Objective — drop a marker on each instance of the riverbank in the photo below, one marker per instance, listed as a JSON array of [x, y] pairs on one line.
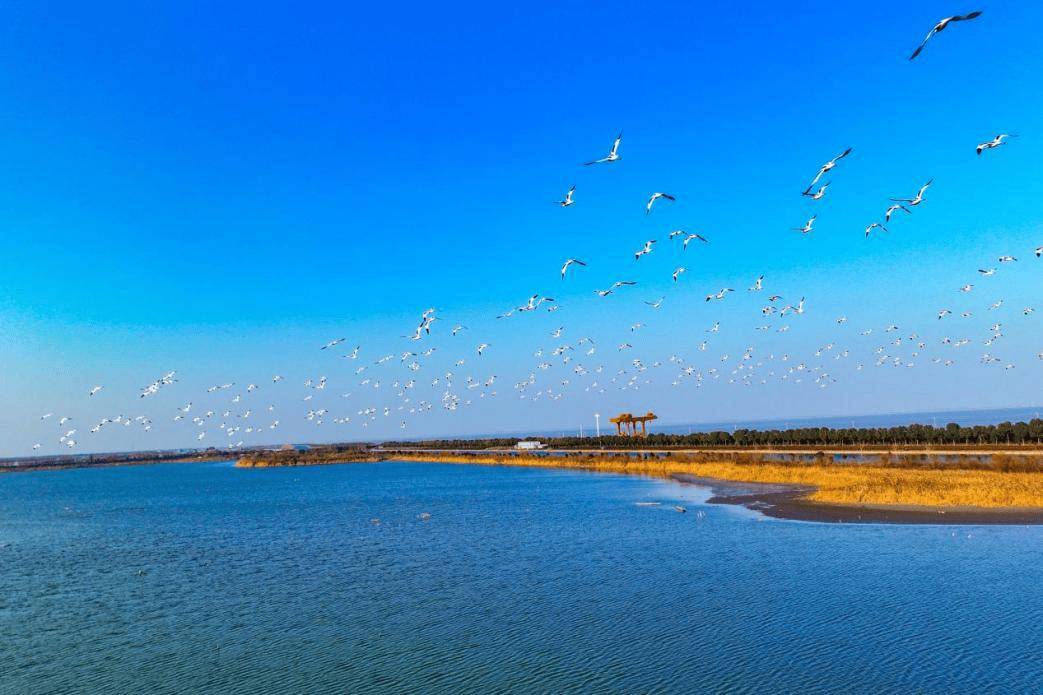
[[822, 491]]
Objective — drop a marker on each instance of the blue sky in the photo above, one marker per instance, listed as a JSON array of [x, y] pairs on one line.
[[221, 191]]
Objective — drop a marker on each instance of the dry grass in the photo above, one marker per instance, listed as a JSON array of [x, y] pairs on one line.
[[858, 484]]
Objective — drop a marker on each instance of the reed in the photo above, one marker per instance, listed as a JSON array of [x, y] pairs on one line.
[[854, 484]]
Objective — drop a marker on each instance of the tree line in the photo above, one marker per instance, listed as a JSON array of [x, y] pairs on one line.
[[952, 434]]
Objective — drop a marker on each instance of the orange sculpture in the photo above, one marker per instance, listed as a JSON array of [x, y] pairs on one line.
[[629, 423]]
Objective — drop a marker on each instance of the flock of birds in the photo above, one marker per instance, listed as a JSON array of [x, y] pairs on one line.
[[409, 382]]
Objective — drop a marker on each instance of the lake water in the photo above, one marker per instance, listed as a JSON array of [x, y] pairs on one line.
[[206, 578]]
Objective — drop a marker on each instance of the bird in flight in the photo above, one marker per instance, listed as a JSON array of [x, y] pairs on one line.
[[995, 142], [645, 250], [828, 166], [94, 390], [891, 210], [940, 26], [568, 263], [913, 202], [875, 225], [817, 195], [757, 286], [568, 198], [806, 229], [678, 271], [720, 295], [332, 343], [656, 196], [688, 238], [612, 156], [656, 304]]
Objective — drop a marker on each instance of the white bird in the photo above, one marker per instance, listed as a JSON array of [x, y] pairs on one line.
[[987, 272], [817, 195], [757, 286], [656, 196], [678, 271], [940, 26], [482, 347], [566, 267], [1039, 251], [656, 304], [943, 313], [966, 288], [1007, 259], [875, 225], [690, 237], [94, 390], [806, 229], [613, 155], [891, 210], [917, 199], [332, 343], [720, 295], [568, 198], [645, 250], [828, 166], [995, 142]]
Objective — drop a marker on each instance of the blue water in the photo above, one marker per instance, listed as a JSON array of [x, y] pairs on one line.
[[206, 578]]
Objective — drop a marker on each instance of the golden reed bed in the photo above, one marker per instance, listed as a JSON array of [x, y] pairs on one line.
[[851, 484]]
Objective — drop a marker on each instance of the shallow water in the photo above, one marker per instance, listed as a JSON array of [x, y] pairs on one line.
[[203, 577]]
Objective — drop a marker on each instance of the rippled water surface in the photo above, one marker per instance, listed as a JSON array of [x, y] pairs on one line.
[[203, 577]]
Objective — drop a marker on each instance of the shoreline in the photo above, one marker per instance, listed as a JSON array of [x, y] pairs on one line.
[[790, 502], [846, 493]]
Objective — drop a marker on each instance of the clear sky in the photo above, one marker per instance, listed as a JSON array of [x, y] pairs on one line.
[[221, 191]]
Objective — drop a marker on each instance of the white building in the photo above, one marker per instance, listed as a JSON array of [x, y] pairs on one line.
[[528, 446]]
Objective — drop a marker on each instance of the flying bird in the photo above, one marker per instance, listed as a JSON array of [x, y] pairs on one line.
[[995, 142], [806, 229], [720, 295], [567, 264], [875, 225], [891, 210], [655, 197], [678, 271], [645, 250], [690, 237], [568, 198], [940, 26], [656, 304], [914, 201], [817, 195], [612, 156], [828, 166]]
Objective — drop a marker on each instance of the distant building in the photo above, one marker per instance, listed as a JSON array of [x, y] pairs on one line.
[[528, 445]]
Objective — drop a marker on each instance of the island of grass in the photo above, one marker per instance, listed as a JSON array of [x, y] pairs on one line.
[[315, 456]]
